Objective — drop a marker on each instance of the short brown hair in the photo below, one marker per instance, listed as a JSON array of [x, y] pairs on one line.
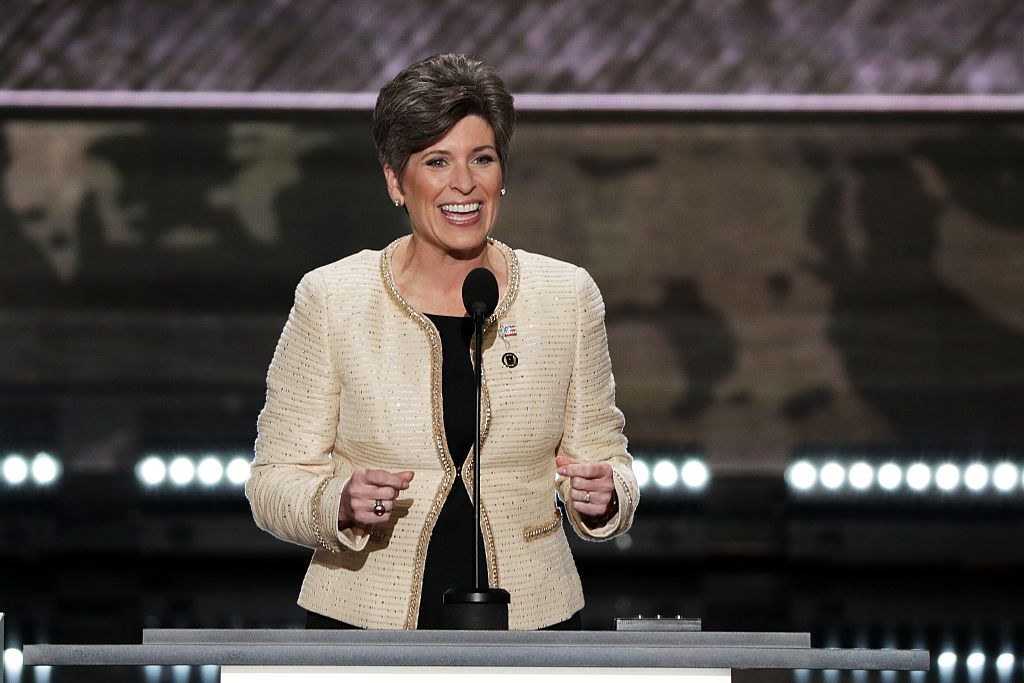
[[423, 102]]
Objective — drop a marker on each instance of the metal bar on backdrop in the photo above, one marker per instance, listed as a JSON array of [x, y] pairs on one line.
[[526, 102]]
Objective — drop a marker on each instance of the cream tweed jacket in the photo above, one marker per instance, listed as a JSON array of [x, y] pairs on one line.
[[355, 382]]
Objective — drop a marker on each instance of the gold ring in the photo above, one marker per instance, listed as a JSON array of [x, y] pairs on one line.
[[586, 497], [378, 508]]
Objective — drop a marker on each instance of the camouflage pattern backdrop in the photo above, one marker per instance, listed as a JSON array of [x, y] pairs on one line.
[[772, 287]]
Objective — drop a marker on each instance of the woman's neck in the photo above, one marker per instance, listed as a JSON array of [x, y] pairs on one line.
[[431, 279]]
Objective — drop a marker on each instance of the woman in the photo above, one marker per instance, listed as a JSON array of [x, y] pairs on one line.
[[369, 412]]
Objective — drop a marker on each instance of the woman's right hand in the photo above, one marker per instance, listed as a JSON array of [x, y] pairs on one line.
[[362, 492]]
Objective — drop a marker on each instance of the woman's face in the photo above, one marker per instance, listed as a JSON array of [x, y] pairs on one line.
[[452, 188]]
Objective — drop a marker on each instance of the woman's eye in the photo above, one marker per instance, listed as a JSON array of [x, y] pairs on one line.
[[437, 163], [484, 159]]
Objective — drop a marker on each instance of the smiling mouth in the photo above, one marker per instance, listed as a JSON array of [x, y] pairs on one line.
[[462, 213]]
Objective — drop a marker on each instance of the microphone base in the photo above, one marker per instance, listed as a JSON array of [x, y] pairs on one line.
[[472, 609]]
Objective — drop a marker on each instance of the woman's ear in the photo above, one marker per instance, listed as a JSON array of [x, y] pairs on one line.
[[394, 187]]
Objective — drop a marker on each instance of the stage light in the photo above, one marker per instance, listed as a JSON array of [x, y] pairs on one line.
[[642, 473], [210, 471], [976, 476], [151, 471], [238, 471], [1005, 476], [947, 477], [947, 660], [694, 474], [861, 476], [13, 661], [1005, 661], [665, 474], [15, 470], [919, 476], [45, 469], [832, 476], [890, 476], [976, 661], [802, 475], [182, 471]]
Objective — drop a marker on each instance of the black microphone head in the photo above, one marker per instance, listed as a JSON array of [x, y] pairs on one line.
[[480, 292]]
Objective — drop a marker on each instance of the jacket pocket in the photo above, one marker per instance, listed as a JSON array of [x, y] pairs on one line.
[[533, 532]]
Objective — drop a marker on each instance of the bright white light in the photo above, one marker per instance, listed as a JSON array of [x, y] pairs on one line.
[[947, 477], [238, 471], [1005, 476], [210, 471], [861, 476], [1005, 661], [13, 661], [976, 661], [182, 471], [919, 476], [665, 474], [45, 469], [15, 469], [890, 476], [976, 476], [802, 475], [642, 473], [832, 476], [947, 660], [694, 474], [151, 471]]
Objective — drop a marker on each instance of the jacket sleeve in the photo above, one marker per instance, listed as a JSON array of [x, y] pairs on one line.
[[295, 481], [593, 425]]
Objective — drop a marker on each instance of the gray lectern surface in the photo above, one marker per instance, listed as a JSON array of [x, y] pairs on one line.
[[556, 649]]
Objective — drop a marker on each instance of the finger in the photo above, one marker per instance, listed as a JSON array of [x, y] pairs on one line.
[[584, 484], [598, 498], [563, 460], [366, 513], [385, 478], [590, 509], [365, 492], [587, 470]]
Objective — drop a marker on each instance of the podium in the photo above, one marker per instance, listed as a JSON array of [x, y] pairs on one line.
[[298, 656]]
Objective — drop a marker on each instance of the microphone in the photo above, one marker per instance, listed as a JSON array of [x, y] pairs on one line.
[[480, 293], [479, 607]]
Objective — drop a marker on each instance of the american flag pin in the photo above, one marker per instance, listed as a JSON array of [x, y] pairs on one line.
[[508, 330]]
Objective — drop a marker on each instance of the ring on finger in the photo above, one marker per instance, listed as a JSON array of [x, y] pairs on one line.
[[586, 497], [378, 508]]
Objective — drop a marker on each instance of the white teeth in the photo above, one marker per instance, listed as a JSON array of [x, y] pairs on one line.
[[461, 208]]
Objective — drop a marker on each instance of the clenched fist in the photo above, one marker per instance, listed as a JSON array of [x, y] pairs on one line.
[[365, 490], [590, 484]]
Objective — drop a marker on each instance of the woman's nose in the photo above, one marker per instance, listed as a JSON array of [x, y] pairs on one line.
[[462, 179]]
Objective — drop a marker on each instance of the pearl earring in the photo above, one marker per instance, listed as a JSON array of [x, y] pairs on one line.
[[397, 203], [503, 192]]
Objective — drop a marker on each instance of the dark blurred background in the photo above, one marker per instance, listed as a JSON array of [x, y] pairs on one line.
[[815, 307]]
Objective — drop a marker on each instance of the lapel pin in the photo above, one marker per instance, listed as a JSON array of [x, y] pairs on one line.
[[509, 360]]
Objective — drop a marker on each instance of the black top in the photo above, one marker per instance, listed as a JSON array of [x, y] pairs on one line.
[[450, 553]]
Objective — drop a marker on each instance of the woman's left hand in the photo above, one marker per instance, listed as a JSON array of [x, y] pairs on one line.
[[590, 484]]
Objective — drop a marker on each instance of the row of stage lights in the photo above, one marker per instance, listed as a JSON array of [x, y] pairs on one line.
[[42, 470], [804, 477], [976, 663], [947, 663], [834, 477], [181, 471], [666, 474]]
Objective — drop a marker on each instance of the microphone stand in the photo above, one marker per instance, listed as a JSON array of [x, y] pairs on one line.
[[481, 608]]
